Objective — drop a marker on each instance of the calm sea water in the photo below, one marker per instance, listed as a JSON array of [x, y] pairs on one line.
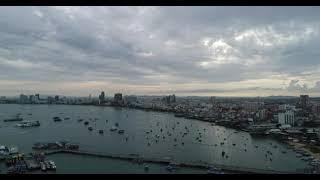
[[240, 148]]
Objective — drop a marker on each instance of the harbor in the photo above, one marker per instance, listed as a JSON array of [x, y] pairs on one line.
[[159, 135]]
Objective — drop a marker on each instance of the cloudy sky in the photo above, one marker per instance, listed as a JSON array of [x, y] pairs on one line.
[[221, 51]]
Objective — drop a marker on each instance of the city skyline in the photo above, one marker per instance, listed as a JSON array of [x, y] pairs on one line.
[[187, 51]]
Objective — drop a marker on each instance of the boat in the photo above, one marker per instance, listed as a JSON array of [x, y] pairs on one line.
[[52, 165], [47, 164], [146, 167], [100, 131], [121, 131], [116, 124], [67, 118], [28, 124], [113, 128], [57, 119], [13, 119], [43, 166], [86, 123], [13, 150], [169, 168], [179, 115], [90, 128]]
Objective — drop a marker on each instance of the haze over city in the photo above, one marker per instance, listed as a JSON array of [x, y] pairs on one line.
[[203, 51]]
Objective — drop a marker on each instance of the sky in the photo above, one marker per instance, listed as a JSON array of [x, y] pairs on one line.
[[202, 51]]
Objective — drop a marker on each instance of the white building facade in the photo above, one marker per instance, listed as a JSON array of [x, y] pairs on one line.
[[286, 117]]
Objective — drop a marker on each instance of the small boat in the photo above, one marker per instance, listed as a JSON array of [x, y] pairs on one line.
[[146, 167], [100, 131], [80, 120], [43, 166], [67, 118], [121, 131], [52, 165], [90, 128], [284, 152], [116, 124], [86, 123], [223, 153], [169, 168], [57, 119], [113, 128]]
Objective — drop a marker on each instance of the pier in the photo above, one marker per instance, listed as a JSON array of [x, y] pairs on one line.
[[197, 164]]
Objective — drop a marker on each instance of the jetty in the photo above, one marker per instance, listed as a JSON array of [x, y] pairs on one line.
[[166, 161]]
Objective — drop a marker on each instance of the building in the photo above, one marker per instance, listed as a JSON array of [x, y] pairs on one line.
[[169, 99], [316, 109], [130, 99], [304, 101], [23, 99], [252, 106], [32, 99], [3, 100], [102, 98], [56, 98], [51, 100], [117, 97], [286, 117], [284, 107], [261, 114]]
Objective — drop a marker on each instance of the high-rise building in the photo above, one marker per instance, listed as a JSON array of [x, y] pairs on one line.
[[102, 98], [286, 117], [24, 99], [56, 98], [117, 97], [304, 101]]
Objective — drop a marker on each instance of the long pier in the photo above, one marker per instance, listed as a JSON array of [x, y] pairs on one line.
[[198, 164]]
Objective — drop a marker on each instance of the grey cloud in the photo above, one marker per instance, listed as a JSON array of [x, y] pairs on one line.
[[106, 43]]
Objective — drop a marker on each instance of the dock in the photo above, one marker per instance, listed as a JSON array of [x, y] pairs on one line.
[[166, 161]]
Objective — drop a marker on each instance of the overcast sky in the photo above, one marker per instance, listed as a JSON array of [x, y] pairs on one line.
[[220, 51]]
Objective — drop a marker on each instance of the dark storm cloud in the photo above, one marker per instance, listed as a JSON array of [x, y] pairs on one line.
[[154, 45]]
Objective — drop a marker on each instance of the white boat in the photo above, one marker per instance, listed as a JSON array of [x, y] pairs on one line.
[[43, 166], [113, 128], [13, 150]]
